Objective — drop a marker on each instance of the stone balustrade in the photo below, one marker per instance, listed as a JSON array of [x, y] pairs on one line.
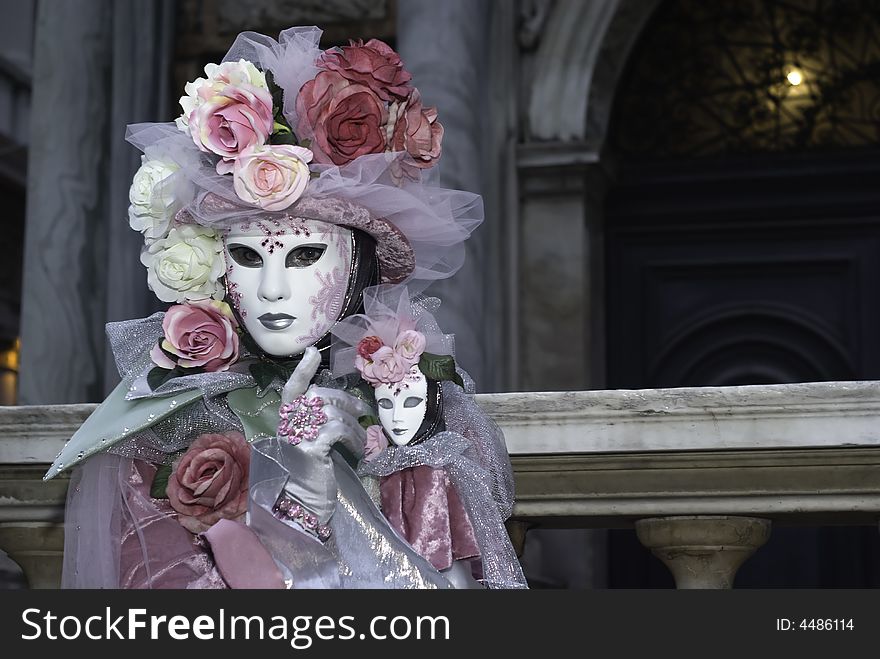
[[702, 474]]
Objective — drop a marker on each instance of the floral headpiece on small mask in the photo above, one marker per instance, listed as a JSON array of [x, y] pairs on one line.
[[258, 131], [394, 335]]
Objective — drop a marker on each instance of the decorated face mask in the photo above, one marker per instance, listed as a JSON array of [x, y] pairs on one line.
[[403, 406], [287, 281]]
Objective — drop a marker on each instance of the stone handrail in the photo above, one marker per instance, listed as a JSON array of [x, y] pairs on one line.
[[701, 473]]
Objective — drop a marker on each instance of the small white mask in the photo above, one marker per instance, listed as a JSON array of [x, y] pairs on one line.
[[402, 406], [287, 281]]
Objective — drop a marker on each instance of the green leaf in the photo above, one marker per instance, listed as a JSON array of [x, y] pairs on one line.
[[159, 376], [159, 489], [439, 368], [281, 128], [276, 92], [282, 138], [265, 371], [249, 343], [369, 420], [263, 374]]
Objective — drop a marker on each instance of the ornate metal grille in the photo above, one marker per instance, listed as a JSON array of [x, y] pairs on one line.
[[745, 76]]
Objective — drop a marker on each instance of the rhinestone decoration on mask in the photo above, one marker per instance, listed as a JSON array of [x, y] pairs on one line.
[[408, 379]]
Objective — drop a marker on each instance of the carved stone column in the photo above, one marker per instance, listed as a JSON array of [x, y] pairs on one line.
[[445, 45], [62, 294], [703, 551], [98, 65]]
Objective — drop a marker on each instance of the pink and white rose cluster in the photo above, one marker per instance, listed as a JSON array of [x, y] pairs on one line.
[[360, 102], [230, 114], [382, 364], [228, 111]]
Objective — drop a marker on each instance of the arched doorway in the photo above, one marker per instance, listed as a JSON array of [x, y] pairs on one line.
[[743, 227]]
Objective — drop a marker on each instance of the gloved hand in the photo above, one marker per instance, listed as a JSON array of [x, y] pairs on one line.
[[312, 481]]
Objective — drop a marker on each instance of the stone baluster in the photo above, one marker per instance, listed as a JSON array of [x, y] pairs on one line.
[[703, 551], [37, 548]]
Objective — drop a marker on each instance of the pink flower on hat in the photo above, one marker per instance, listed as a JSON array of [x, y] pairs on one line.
[[373, 64], [368, 345], [418, 132], [383, 367], [229, 112], [382, 364], [271, 176], [347, 119], [409, 346]]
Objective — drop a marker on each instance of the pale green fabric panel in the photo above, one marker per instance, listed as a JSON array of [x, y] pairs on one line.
[[114, 420], [259, 416]]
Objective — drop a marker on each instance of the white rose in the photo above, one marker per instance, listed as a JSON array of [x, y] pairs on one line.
[[241, 72], [187, 265], [152, 202], [237, 73], [189, 103]]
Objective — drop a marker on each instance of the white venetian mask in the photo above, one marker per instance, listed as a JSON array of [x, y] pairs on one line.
[[403, 405], [288, 281]]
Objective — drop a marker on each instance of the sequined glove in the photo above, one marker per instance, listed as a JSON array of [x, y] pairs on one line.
[[312, 420]]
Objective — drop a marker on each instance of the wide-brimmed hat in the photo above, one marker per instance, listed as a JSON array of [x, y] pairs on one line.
[[240, 150]]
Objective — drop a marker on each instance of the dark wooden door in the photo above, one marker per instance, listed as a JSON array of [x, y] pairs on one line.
[[745, 272]]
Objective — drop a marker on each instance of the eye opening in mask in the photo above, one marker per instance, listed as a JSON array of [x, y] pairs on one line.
[[412, 401], [385, 403], [304, 256], [245, 256], [364, 273]]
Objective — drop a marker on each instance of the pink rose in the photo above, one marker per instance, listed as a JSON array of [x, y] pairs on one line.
[[376, 443], [418, 132], [347, 119], [271, 176], [210, 481], [230, 118], [373, 64], [384, 367], [368, 345], [409, 346], [198, 335]]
